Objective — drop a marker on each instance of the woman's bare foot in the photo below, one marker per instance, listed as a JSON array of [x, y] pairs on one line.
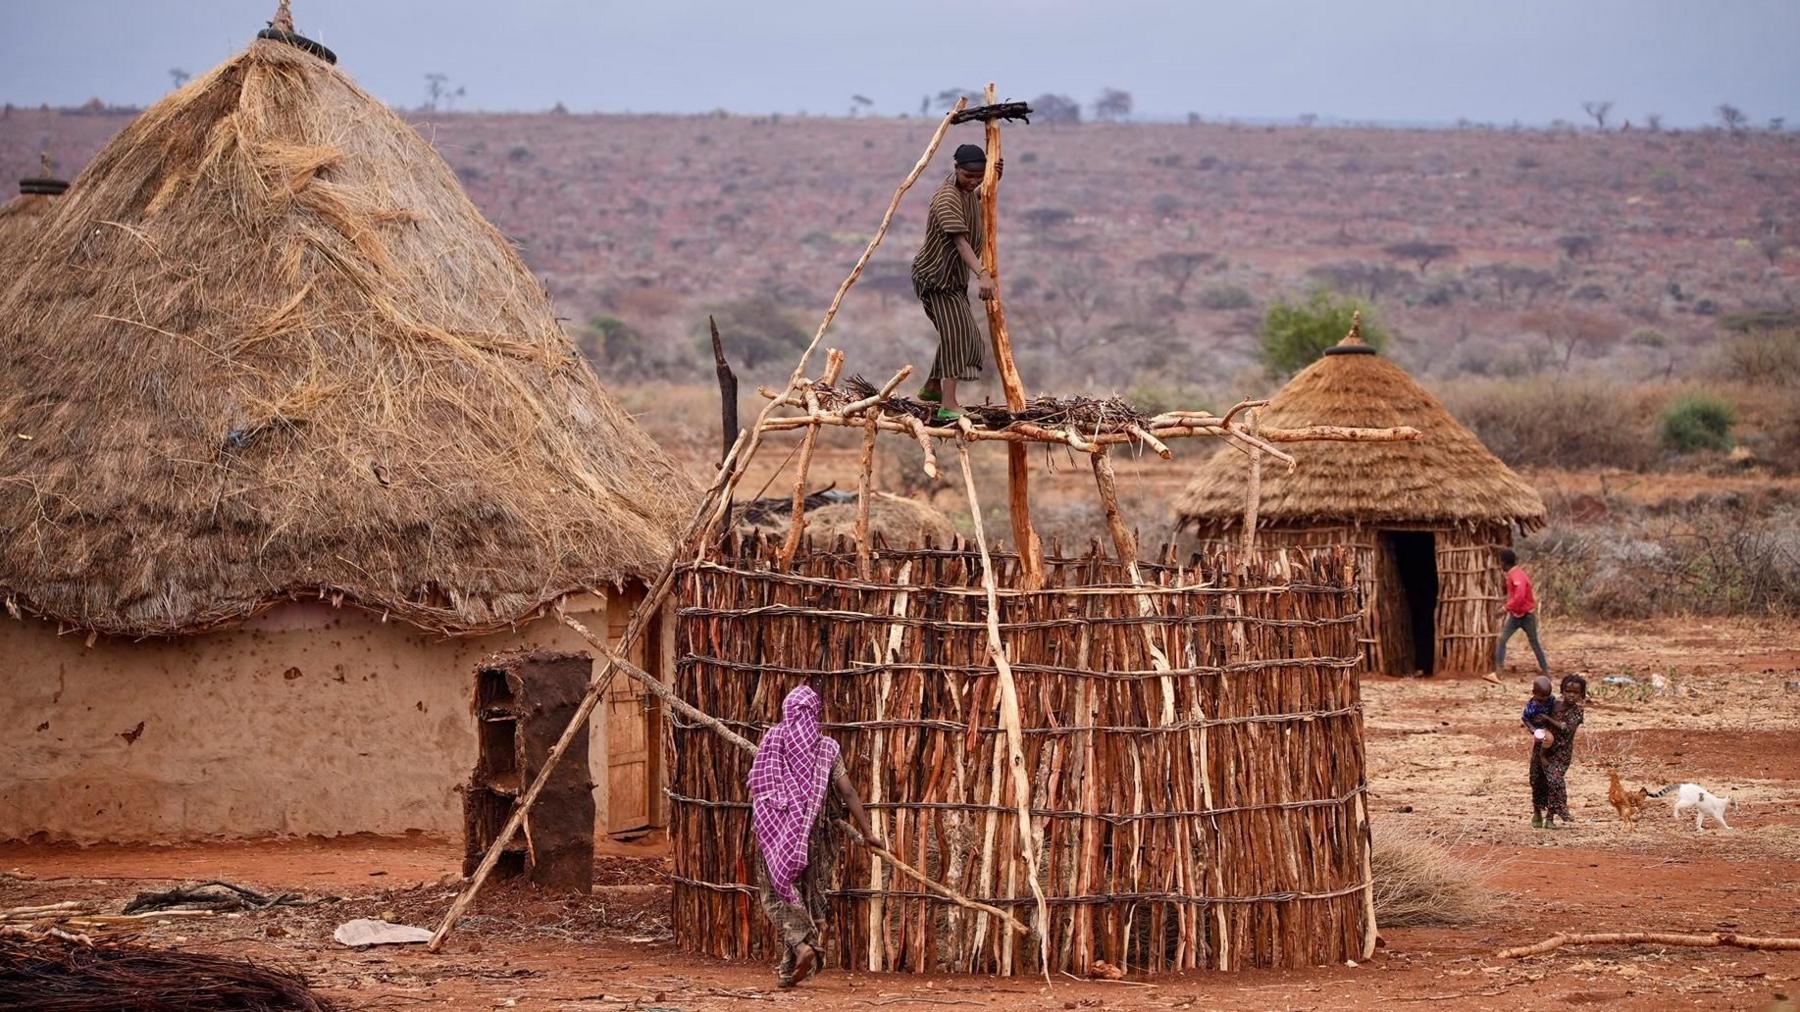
[[806, 958]]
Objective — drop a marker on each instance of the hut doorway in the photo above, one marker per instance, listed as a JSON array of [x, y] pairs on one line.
[[1412, 556]]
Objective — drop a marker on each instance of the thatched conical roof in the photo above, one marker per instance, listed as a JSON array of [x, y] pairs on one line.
[[1445, 476], [273, 351], [20, 216]]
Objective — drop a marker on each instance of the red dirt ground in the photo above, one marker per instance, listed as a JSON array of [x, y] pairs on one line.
[[1444, 759]]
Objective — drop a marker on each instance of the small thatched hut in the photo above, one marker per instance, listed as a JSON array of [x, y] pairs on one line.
[[1427, 518], [20, 216], [895, 520], [293, 439]]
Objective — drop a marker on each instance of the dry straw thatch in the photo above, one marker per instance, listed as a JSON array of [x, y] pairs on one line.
[[273, 351], [1445, 476]]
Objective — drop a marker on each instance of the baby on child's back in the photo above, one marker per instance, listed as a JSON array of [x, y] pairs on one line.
[[1538, 708]]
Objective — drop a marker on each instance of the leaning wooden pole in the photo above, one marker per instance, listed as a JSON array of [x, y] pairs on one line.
[[602, 680], [1019, 776], [1018, 464], [707, 516], [706, 720]]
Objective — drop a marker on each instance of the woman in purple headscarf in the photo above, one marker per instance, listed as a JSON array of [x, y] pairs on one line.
[[794, 764]]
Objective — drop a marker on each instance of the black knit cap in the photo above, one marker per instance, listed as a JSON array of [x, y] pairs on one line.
[[970, 154]]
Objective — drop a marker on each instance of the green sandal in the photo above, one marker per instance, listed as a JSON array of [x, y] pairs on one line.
[[945, 416], [1537, 822], [931, 396]]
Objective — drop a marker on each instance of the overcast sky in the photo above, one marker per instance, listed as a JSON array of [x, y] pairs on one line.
[[1405, 61]]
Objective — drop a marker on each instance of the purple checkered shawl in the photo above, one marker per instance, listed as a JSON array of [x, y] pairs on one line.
[[787, 788]]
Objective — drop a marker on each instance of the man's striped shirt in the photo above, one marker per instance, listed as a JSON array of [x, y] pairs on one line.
[[937, 267]]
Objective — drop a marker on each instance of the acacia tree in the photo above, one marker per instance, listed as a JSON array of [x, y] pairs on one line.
[[1054, 109], [1113, 105], [1177, 269], [1569, 331], [438, 90], [1598, 109], [948, 97], [1732, 118], [1420, 252]]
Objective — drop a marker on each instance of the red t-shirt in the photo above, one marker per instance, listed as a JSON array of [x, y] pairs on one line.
[[1520, 601]]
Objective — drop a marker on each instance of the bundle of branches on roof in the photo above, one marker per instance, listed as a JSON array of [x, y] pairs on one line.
[[53, 975], [1084, 414], [755, 511]]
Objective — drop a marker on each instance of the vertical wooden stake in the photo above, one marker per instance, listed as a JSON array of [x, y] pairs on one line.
[[1009, 717], [1018, 465], [887, 653], [834, 364], [1126, 545], [865, 556], [1253, 495]]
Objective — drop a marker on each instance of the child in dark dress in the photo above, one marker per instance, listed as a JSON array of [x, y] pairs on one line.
[[1554, 750]]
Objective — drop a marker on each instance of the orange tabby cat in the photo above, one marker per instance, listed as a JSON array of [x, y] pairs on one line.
[[1627, 803]]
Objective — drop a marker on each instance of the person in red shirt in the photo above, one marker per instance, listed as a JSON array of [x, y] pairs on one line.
[[1521, 613]]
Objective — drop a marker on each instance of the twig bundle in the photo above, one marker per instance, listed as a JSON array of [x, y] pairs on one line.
[[58, 976], [1143, 864]]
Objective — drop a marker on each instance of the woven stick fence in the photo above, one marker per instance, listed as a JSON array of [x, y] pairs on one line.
[[1232, 836]]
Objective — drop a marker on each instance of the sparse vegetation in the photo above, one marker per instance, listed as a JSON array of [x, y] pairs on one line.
[[1697, 422]]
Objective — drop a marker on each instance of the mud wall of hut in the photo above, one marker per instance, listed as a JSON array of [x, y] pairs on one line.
[[306, 720], [1206, 815], [1470, 589]]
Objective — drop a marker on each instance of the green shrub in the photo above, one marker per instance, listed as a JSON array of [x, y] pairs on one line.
[[1697, 422], [1296, 333]]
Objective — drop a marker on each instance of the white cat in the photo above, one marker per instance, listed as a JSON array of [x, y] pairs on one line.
[[1702, 801]]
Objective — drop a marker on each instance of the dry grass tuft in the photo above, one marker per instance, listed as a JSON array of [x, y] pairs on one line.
[[1419, 880]]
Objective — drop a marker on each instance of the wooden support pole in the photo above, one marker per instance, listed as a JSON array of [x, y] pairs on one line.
[[711, 723], [710, 513], [834, 364], [1018, 464], [1253, 494], [865, 474], [1106, 482], [1019, 776]]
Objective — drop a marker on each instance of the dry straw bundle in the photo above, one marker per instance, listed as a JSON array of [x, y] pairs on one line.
[[273, 351]]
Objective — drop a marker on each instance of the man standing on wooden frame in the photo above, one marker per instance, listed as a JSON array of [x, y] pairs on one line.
[[940, 273]]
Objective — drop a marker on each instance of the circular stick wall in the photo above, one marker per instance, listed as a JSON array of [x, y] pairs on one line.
[[1206, 812]]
